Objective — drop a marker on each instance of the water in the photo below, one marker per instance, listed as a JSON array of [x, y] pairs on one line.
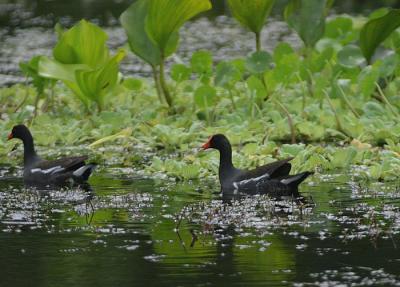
[[26, 30], [131, 231]]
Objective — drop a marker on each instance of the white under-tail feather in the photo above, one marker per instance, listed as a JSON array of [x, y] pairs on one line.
[[84, 171]]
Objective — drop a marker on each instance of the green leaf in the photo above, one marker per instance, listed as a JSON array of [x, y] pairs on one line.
[[165, 17], [31, 69], [83, 63], [373, 109], [286, 69], [201, 62], [82, 44], [256, 87], [133, 21], [281, 50], [307, 18], [227, 74], [367, 79], [292, 149], [59, 29], [133, 84], [95, 84], [180, 72], [251, 14], [250, 149], [188, 172], [375, 31], [350, 56], [338, 27], [122, 134], [342, 158], [205, 97], [53, 69], [258, 62], [389, 65], [378, 13], [86, 83]]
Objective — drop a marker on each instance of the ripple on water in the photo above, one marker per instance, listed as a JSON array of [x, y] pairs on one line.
[[172, 228]]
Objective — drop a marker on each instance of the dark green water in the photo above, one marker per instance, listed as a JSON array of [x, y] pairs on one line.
[[123, 233]]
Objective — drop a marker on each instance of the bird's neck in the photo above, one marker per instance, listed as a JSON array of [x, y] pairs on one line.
[[225, 162], [29, 150]]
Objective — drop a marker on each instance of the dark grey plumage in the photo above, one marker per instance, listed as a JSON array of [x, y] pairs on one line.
[[272, 179], [58, 172]]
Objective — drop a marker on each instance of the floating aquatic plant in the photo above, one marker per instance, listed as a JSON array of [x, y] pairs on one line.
[[83, 63]]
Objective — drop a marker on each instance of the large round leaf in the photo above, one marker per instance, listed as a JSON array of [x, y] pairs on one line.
[[258, 62], [202, 62], [205, 97], [338, 26], [256, 87], [350, 56], [227, 74], [180, 72]]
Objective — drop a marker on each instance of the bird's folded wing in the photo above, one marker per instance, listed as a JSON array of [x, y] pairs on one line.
[[59, 165], [272, 170]]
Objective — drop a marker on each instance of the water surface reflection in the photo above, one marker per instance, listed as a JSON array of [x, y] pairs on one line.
[[142, 231]]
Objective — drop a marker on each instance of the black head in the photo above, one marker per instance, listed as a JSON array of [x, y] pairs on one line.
[[218, 141], [20, 132]]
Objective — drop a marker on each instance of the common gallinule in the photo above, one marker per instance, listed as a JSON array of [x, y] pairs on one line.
[[272, 179], [40, 171]]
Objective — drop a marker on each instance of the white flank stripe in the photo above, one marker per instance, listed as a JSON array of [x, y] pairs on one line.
[[245, 181], [52, 170], [236, 190]]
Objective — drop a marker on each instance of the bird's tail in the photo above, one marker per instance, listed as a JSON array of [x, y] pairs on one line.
[[84, 172], [295, 180]]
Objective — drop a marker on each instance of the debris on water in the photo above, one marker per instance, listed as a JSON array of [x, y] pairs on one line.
[[129, 247], [126, 214], [154, 257]]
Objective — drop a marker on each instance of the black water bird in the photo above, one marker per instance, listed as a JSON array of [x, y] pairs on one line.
[[68, 170], [272, 179]]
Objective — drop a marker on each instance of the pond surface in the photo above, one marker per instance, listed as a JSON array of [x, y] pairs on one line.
[[132, 231], [27, 30]]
